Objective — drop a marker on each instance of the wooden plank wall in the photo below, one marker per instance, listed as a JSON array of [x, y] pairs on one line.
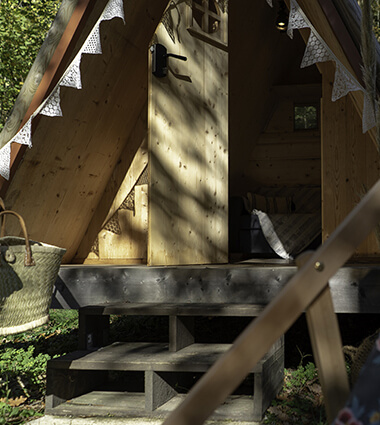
[[188, 144], [124, 177], [283, 156], [350, 161], [61, 180]]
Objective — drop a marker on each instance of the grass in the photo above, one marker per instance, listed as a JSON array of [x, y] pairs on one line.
[[23, 359]]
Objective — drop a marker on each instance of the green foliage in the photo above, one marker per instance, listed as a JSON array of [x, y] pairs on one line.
[[23, 359], [24, 370], [376, 18], [23, 27], [305, 117], [300, 400], [15, 415], [299, 377]]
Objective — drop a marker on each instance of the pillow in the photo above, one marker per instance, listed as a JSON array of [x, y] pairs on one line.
[[268, 204]]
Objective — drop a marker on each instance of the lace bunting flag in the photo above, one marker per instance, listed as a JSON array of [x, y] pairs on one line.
[[93, 45], [315, 52], [270, 2], [24, 136], [296, 20], [52, 106], [369, 117], [344, 83], [72, 77], [5, 160], [114, 9]]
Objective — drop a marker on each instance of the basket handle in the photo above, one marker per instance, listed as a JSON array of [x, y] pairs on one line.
[[2, 208], [28, 260]]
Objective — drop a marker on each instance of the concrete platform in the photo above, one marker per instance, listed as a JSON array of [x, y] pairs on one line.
[[56, 420]]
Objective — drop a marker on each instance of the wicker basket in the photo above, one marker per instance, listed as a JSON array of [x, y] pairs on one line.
[[28, 270]]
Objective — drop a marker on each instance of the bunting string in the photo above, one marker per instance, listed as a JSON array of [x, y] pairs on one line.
[[318, 51], [51, 106]]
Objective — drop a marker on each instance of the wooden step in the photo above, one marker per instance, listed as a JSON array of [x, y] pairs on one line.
[[142, 356], [124, 404], [94, 319], [74, 381], [174, 309]]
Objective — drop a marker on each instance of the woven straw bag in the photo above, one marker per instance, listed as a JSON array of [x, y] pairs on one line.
[[28, 270]]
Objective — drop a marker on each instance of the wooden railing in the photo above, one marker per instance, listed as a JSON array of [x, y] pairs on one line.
[[307, 291]]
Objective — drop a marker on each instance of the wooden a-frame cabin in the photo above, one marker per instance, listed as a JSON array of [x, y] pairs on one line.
[[144, 168], [160, 162]]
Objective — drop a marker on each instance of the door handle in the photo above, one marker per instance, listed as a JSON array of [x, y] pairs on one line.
[[160, 57]]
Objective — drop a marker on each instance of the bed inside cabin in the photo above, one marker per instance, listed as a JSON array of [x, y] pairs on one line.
[[275, 145]]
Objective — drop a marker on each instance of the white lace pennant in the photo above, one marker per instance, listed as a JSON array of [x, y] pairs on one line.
[[296, 19], [5, 160], [344, 83], [316, 51], [72, 77], [369, 115], [52, 107], [24, 136], [270, 2], [93, 45], [114, 9]]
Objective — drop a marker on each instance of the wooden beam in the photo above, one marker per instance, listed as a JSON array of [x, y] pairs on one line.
[[326, 342], [354, 288]]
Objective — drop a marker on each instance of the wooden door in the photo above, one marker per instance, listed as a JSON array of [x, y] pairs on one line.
[[188, 138]]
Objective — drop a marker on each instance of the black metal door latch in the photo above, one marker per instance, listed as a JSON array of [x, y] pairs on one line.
[[160, 60]]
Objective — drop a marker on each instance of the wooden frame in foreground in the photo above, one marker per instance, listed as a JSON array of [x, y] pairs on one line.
[[307, 291]]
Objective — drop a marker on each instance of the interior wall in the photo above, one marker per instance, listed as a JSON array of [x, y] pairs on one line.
[[262, 62]]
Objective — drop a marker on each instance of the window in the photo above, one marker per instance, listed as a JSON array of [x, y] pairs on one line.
[[306, 117], [208, 21], [206, 14]]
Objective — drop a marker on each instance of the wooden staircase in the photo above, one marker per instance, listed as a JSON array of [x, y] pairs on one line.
[[78, 383]]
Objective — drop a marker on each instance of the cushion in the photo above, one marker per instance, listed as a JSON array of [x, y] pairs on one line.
[[268, 204]]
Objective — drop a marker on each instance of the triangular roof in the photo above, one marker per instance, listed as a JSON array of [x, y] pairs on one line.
[[114, 112]]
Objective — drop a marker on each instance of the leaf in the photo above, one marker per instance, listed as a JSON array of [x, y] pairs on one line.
[[279, 413], [14, 402]]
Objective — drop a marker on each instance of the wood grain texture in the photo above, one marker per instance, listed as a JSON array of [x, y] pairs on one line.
[[131, 164], [350, 162], [327, 348], [283, 156], [132, 242], [188, 144], [62, 179]]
